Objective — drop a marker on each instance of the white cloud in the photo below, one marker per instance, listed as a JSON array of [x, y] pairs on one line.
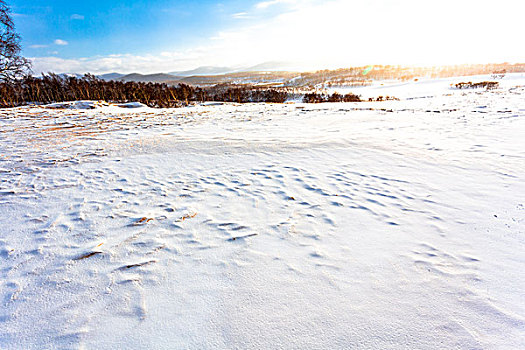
[[61, 42], [164, 62], [241, 15], [77, 16], [38, 46], [266, 4]]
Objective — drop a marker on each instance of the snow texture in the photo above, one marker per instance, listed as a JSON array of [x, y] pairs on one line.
[[377, 225]]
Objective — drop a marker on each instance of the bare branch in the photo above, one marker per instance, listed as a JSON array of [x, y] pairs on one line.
[[12, 65]]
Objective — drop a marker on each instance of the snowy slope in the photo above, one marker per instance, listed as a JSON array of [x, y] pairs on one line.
[[425, 87], [362, 225]]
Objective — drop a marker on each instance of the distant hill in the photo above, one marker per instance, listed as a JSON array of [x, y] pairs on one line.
[[111, 76], [272, 66], [149, 78], [203, 75], [238, 78], [283, 74], [205, 70]]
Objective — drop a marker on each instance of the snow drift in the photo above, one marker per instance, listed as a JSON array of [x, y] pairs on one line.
[[361, 225]]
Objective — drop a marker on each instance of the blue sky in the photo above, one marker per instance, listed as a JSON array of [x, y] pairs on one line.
[[165, 35], [102, 27]]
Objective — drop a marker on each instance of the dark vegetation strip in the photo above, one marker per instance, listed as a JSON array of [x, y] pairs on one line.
[[484, 84], [54, 88]]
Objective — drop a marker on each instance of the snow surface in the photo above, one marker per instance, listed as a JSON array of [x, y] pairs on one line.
[[384, 225], [94, 105], [425, 87]]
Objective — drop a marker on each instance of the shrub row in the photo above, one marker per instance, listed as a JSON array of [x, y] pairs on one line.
[[484, 84]]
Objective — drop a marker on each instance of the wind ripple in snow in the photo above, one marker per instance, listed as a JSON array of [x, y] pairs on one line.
[[248, 226]]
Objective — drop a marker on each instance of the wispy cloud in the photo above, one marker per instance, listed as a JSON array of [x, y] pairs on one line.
[[38, 46], [61, 42], [77, 17], [241, 15], [266, 4]]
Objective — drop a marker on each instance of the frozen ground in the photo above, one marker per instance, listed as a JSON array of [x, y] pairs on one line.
[[387, 225]]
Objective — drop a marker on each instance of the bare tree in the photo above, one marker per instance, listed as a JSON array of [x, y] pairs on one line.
[[12, 65]]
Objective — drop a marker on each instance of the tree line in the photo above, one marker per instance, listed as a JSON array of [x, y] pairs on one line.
[[315, 97], [51, 88]]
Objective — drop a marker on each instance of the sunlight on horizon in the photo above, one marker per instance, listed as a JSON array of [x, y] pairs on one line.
[[310, 35]]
